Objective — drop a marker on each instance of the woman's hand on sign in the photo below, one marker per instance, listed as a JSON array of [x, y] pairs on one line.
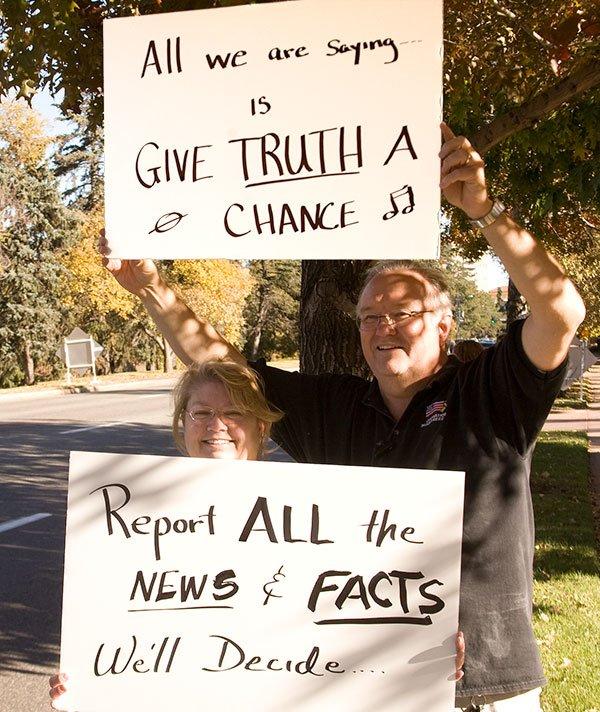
[[139, 277], [462, 175], [57, 688], [460, 656]]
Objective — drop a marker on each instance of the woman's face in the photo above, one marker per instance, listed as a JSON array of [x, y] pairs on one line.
[[218, 429]]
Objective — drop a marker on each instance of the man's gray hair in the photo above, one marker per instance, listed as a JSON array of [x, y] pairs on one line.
[[435, 278]]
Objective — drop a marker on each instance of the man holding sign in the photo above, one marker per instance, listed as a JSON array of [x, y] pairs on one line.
[[424, 410]]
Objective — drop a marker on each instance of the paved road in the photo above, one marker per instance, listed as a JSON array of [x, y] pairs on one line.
[[35, 438]]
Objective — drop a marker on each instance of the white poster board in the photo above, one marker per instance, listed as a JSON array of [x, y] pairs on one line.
[[303, 129], [301, 587]]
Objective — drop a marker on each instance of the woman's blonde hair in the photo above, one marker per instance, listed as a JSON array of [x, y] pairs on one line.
[[242, 384]]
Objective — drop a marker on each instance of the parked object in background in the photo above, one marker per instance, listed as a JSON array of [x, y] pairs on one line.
[[467, 349], [580, 359]]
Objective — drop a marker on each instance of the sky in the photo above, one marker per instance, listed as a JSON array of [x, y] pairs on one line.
[[489, 273]]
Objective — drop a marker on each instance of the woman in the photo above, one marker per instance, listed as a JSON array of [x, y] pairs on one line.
[[220, 412]]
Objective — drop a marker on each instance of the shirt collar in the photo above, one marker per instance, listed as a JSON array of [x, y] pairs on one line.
[[374, 399]]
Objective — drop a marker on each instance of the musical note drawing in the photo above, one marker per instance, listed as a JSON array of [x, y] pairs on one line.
[[167, 222], [269, 593], [405, 190]]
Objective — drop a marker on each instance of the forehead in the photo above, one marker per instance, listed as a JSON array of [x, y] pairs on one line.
[[395, 289], [210, 393]]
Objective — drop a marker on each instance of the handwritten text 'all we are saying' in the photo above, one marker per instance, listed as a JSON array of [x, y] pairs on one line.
[[168, 58]]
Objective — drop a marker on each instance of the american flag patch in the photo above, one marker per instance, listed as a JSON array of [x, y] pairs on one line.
[[437, 407]]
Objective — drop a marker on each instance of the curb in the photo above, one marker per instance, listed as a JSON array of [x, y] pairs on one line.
[[90, 388]]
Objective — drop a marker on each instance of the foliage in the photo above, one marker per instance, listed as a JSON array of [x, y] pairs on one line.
[[566, 590], [216, 289], [501, 57], [476, 313], [79, 160], [88, 288], [583, 266], [500, 54], [35, 227], [271, 313], [22, 135]]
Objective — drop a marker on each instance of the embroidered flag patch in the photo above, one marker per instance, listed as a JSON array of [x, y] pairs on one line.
[[434, 412]]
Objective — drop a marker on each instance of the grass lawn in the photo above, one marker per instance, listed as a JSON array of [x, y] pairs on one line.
[[567, 574], [567, 403]]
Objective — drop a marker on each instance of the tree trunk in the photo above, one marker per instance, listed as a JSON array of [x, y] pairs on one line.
[[167, 355], [515, 306], [256, 335], [28, 364], [329, 339]]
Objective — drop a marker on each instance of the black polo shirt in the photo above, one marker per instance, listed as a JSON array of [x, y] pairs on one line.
[[481, 417]]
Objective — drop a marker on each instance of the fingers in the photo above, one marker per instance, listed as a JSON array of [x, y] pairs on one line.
[[58, 679], [57, 691], [457, 143], [447, 132], [469, 174], [460, 656], [112, 265], [103, 248], [456, 158], [57, 686]]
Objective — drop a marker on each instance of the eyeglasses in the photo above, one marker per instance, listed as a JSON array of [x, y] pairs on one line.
[[370, 322], [229, 416]]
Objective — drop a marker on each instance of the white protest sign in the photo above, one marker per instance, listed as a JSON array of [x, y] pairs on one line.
[[305, 129], [206, 584]]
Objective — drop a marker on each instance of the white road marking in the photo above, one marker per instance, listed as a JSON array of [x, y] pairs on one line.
[[154, 395], [13, 524], [93, 427]]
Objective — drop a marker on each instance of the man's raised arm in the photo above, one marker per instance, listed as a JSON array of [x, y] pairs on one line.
[[192, 338], [555, 305]]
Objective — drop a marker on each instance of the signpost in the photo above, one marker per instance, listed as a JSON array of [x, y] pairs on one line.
[[207, 584], [79, 352]]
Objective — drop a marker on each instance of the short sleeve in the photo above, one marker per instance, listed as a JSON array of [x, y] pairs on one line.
[[518, 395]]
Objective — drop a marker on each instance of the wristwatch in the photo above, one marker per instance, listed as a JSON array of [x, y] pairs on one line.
[[497, 209]]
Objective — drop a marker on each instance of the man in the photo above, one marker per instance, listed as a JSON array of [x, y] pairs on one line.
[[426, 410]]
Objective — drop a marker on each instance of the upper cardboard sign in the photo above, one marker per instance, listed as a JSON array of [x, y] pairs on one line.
[[304, 129], [194, 584]]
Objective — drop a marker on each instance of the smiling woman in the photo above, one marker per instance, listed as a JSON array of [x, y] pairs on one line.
[[220, 412]]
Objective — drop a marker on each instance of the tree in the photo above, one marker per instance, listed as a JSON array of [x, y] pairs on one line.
[[476, 313], [521, 79], [217, 289], [271, 312], [35, 227]]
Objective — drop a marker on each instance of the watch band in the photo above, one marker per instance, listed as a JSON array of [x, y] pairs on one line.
[[497, 209]]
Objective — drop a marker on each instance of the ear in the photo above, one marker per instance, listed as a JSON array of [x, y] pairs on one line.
[[445, 327]]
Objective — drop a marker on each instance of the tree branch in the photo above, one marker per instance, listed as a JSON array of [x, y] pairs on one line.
[[584, 78]]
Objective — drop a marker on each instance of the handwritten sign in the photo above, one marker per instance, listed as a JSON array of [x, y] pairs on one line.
[[203, 584], [303, 129]]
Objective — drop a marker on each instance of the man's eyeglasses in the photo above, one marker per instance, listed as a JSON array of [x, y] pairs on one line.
[[370, 322], [229, 416]]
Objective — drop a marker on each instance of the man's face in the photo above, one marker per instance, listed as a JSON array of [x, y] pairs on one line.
[[413, 349]]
